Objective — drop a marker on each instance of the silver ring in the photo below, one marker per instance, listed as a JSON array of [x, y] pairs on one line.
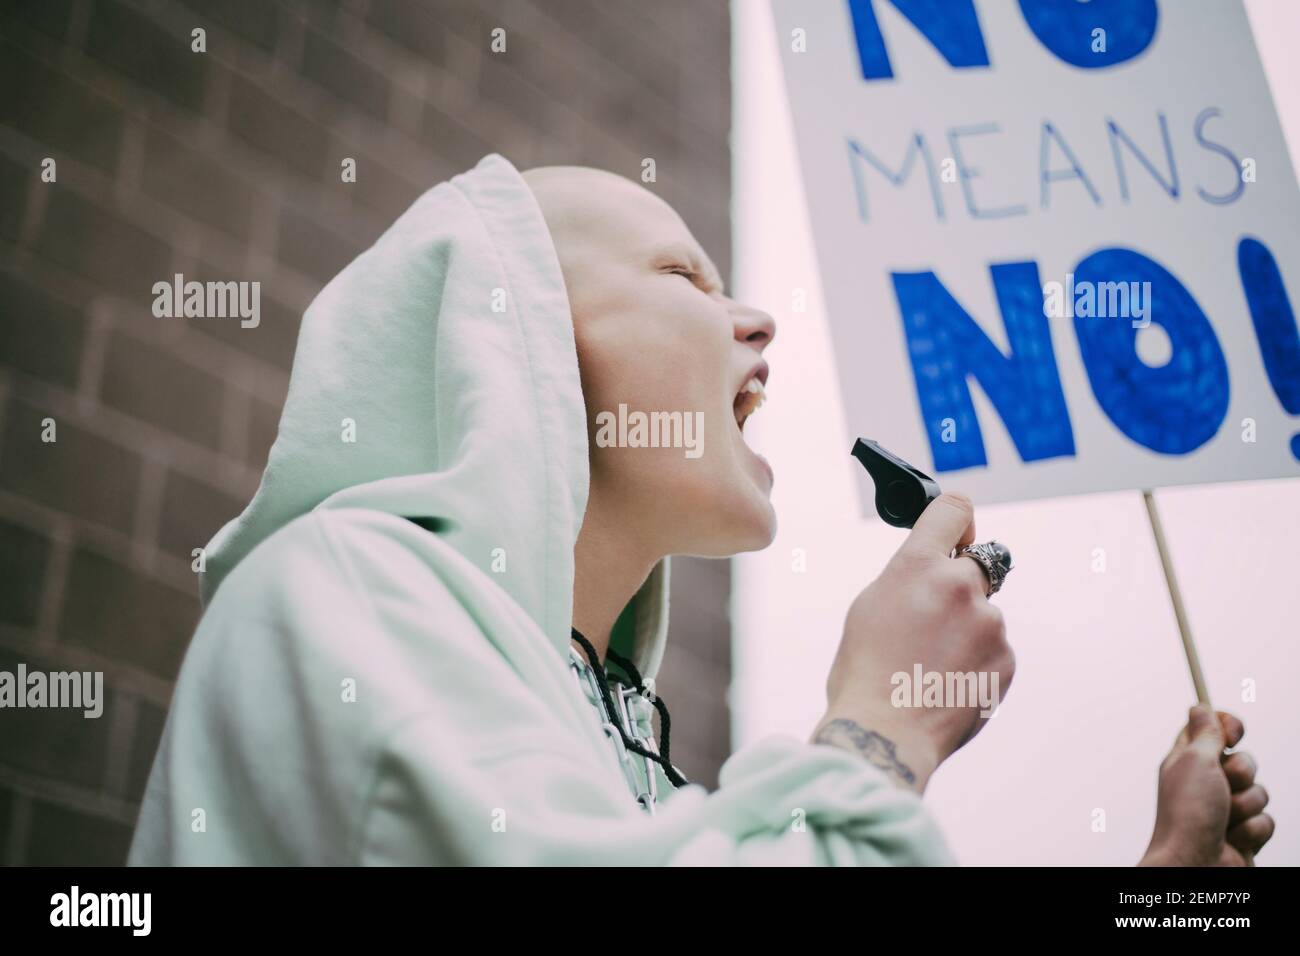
[[995, 558]]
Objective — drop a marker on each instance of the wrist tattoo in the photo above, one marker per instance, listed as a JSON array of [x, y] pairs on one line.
[[878, 749]]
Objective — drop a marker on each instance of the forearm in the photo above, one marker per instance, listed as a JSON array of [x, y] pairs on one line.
[[884, 743]]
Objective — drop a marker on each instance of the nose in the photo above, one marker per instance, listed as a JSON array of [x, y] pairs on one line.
[[753, 326]]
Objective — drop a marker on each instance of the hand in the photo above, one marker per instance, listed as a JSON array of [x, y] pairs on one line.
[[1209, 810], [926, 608]]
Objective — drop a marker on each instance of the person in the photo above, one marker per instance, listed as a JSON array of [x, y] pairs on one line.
[[432, 636]]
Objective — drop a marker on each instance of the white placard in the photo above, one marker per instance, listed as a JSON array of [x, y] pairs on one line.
[[1059, 241]]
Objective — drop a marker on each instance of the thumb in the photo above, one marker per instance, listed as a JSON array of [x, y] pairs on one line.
[[946, 523], [1204, 731]]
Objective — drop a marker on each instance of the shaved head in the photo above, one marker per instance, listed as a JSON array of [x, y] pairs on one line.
[[597, 217], [577, 201]]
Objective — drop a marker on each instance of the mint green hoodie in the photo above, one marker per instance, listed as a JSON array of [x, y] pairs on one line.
[[366, 689]]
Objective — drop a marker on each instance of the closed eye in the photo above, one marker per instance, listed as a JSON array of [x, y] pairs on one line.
[[695, 278]]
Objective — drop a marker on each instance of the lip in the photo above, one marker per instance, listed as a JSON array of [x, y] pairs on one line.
[[758, 370], [764, 465]]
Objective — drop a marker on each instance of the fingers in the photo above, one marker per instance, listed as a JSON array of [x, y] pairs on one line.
[[1204, 731], [1233, 728], [1249, 803], [1229, 724], [1240, 769], [973, 572], [968, 536], [1249, 835], [945, 524]]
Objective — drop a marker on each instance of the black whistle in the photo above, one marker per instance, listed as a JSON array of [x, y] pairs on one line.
[[902, 491]]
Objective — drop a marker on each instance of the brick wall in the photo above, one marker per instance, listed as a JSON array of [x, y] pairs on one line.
[[226, 164]]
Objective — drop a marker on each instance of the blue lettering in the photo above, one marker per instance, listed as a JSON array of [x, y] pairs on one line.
[[1238, 185], [1175, 408], [1275, 324], [915, 147], [1075, 171], [946, 347], [1066, 28], [966, 173], [1116, 135], [951, 26]]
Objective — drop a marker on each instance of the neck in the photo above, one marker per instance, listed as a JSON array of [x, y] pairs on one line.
[[609, 568]]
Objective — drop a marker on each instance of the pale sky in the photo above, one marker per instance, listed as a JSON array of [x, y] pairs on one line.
[[1101, 686]]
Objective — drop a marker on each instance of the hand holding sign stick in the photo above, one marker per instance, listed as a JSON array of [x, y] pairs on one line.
[[1180, 613]]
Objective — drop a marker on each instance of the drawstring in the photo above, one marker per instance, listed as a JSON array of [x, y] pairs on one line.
[[665, 723]]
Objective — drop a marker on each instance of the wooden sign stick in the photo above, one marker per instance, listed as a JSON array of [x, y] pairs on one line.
[[1184, 628]]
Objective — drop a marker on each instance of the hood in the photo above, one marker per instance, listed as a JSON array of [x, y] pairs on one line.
[[436, 377]]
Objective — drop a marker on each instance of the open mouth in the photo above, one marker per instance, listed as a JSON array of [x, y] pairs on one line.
[[748, 400]]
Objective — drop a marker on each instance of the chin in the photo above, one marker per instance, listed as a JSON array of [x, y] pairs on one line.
[[762, 531], [743, 520]]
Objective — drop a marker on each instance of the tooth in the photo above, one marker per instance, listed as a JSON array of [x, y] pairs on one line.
[[751, 398]]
